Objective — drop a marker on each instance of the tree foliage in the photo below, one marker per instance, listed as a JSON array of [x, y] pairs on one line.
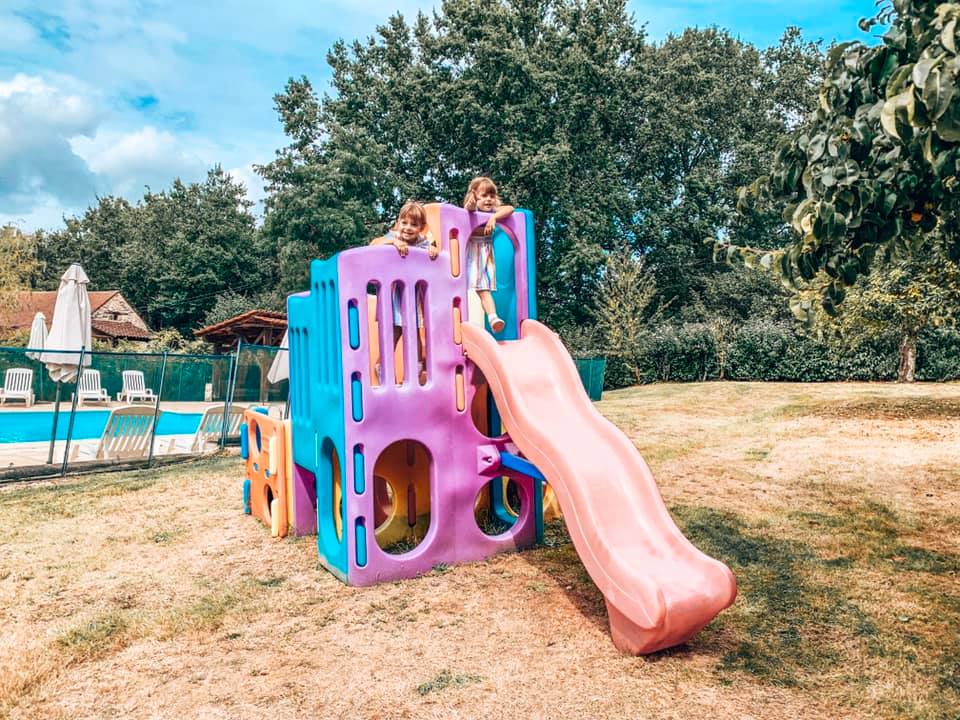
[[905, 298], [873, 173], [611, 141], [625, 309], [17, 266], [171, 254]]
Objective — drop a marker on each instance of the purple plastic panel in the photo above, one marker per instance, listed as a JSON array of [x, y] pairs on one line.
[[428, 413], [304, 520]]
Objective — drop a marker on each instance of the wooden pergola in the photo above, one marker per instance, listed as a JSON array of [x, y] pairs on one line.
[[254, 327]]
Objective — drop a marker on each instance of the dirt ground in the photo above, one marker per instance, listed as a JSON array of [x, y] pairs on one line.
[[837, 506]]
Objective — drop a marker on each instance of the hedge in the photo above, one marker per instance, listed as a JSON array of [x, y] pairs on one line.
[[767, 350]]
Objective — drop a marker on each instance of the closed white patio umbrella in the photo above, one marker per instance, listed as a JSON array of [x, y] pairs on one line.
[[280, 369], [70, 329], [38, 336]]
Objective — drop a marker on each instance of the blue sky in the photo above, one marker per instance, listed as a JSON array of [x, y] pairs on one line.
[[110, 96]]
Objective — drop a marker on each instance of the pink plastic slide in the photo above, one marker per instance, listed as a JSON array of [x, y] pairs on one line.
[[659, 589]]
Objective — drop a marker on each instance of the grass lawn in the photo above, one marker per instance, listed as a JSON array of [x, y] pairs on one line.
[[837, 506]]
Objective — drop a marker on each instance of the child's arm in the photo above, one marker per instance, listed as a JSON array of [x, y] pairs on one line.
[[399, 244], [433, 249], [502, 212]]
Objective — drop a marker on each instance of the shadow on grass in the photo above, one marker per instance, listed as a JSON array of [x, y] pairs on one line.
[[558, 559], [786, 625]]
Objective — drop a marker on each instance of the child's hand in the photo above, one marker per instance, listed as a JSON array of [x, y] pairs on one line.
[[401, 247], [471, 203], [491, 224], [433, 251]]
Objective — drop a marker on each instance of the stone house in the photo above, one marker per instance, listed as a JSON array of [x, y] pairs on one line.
[[112, 318]]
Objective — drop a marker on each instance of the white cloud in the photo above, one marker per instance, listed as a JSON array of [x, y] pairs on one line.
[[145, 157], [252, 182], [38, 119]]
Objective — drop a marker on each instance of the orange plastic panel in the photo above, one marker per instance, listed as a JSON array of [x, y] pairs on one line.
[[267, 470]]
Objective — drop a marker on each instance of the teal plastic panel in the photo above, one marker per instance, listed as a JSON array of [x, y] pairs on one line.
[[318, 397], [505, 296], [531, 263]]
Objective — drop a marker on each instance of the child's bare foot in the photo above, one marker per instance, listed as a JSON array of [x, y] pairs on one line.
[[496, 324]]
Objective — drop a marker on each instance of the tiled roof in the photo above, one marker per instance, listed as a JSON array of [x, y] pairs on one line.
[[251, 318], [30, 303], [120, 330]]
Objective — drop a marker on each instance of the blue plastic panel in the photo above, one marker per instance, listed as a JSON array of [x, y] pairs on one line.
[[505, 296], [317, 397], [531, 249]]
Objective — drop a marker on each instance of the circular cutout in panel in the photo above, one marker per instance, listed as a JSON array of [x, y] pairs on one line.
[[402, 476], [497, 506]]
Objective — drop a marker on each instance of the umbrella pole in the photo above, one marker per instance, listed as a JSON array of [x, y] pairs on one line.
[[53, 434]]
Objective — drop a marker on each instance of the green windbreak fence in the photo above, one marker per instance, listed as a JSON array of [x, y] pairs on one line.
[[591, 374], [132, 408], [196, 378], [253, 368]]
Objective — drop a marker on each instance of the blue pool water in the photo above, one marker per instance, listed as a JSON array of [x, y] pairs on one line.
[[18, 427]]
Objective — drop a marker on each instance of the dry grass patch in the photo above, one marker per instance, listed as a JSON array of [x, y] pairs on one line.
[[150, 594]]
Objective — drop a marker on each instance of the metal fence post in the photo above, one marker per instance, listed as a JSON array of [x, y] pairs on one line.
[[156, 409], [73, 413], [228, 396]]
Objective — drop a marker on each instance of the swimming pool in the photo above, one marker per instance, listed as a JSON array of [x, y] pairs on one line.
[[30, 426]]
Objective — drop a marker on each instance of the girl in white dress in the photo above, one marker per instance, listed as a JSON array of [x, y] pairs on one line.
[[481, 266]]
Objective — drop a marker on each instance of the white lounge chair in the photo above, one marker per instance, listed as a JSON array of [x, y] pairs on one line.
[[211, 426], [90, 389], [134, 388], [17, 385], [126, 434]]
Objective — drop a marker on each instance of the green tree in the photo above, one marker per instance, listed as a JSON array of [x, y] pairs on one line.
[[171, 254], [322, 188], [17, 267], [906, 297], [192, 243], [609, 140], [626, 309], [421, 108], [713, 106], [96, 240], [874, 171]]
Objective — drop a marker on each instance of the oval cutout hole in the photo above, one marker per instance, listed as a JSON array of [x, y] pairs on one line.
[[461, 395], [457, 321], [454, 245], [353, 321], [356, 397]]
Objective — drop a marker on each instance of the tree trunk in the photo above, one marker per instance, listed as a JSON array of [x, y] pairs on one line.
[[908, 357]]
